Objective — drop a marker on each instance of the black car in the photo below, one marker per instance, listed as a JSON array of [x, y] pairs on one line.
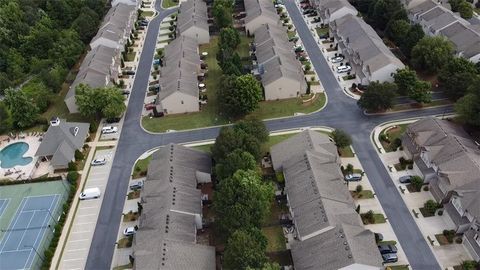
[[390, 258], [387, 248], [405, 179], [126, 92], [378, 237], [129, 72]]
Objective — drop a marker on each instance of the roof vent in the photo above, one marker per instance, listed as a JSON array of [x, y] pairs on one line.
[[55, 121], [345, 243], [75, 131]]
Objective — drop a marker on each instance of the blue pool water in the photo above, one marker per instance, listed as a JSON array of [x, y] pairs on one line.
[[12, 155]]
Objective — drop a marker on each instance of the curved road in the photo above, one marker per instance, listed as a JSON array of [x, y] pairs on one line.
[[341, 112]]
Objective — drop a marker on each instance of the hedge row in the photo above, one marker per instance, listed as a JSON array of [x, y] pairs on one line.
[[6, 182]]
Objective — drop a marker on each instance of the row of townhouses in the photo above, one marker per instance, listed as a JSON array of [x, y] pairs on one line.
[[171, 216], [258, 13], [192, 21], [179, 77], [436, 20], [281, 73], [102, 64], [321, 207], [449, 161]]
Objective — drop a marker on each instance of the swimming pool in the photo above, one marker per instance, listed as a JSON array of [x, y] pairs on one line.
[[12, 155]]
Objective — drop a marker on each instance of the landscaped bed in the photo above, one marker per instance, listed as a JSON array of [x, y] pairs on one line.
[[390, 137], [364, 194], [276, 239]]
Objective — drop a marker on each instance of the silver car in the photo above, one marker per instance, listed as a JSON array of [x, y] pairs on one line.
[[99, 162], [336, 59], [354, 177]]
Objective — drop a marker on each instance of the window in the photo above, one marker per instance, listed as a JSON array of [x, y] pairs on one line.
[[476, 238], [458, 205], [181, 102]]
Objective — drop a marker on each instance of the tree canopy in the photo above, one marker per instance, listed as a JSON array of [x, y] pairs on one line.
[[222, 13], [246, 249], [242, 202], [468, 107], [101, 102], [5, 118], [409, 84], [234, 161], [432, 53], [240, 95], [229, 38], [341, 138], [378, 97], [456, 76], [24, 111]]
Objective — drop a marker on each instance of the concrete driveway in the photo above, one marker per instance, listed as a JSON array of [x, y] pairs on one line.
[[78, 242]]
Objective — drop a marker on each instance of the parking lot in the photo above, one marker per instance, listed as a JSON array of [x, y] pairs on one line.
[[78, 242]]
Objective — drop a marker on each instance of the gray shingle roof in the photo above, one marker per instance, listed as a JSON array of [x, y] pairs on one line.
[[192, 13], [339, 247], [166, 238], [61, 143], [299, 144], [328, 7], [364, 43], [257, 8], [449, 147]]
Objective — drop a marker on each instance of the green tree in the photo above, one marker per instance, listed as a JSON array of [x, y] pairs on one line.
[[341, 138], [421, 92], [12, 23], [397, 30], [468, 107], [455, 4], [456, 76], [53, 77], [253, 127], [432, 53], [229, 38], [378, 97], [39, 94], [431, 206], [239, 96], [417, 182], [101, 102], [222, 13], [41, 38], [5, 118], [234, 161], [405, 79], [246, 249], [24, 111], [67, 48], [466, 10], [230, 139], [413, 36], [114, 102], [86, 24], [241, 202]]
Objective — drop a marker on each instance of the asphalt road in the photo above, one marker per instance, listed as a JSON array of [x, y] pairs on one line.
[[341, 112]]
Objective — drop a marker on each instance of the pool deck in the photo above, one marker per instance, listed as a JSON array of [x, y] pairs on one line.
[[26, 171]]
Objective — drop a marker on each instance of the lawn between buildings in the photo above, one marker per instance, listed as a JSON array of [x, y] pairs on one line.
[[210, 115]]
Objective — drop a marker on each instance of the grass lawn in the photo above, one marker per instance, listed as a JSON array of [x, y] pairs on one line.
[[130, 56], [244, 47], [364, 194], [146, 13], [276, 239], [169, 3], [205, 148], [287, 107], [438, 102], [81, 163], [346, 152], [397, 267], [133, 195], [130, 216], [377, 219], [392, 135], [122, 267], [321, 31], [291, 34], [390, 242], [140, 168]]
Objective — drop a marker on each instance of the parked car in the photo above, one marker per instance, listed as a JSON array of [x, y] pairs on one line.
[[336, 59], [390, 258], [126, 92], [90, 193], [129, 72], [308, 11], [143, 23], [406, 179], [99, 162], [378, 237], [150, 106], [136, 185], [387, 248], [354, 177], [343, 69], [129, 231], [109, 130]]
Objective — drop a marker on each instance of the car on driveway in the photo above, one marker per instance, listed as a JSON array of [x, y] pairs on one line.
[[406, 179], [354, 177], [136, 185], [129, 231], [343, 69], [109, 130], [99, 161], [387, 248], [390, 258], [336, 59]]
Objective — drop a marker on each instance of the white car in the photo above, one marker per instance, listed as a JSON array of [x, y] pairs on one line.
[[109, 130], [98, 162], [336, 59], [343, 69], [129, 231]]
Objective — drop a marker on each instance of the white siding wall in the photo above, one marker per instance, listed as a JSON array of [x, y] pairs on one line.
[[384, 74], [282, 88], [173, 103], [358, 266]]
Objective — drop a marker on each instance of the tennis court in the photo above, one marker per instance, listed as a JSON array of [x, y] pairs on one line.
[[3, 205], [26, 231]]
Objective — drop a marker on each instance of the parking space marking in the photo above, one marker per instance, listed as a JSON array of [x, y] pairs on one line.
[[82, 240]]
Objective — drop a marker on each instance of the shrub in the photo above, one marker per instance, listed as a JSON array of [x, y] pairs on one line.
[[359, 188], [417, 182], [431, 206], [357, 209], [93, 127], [425, 188], [402, 161], [308, 67], [368, 217], [449, 234], [440, 212], [349, 169], [171, 28], [410, 166], [72, 177], [384, 138], [470, 265], [78, 155], [72, 166], [341, 138]]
